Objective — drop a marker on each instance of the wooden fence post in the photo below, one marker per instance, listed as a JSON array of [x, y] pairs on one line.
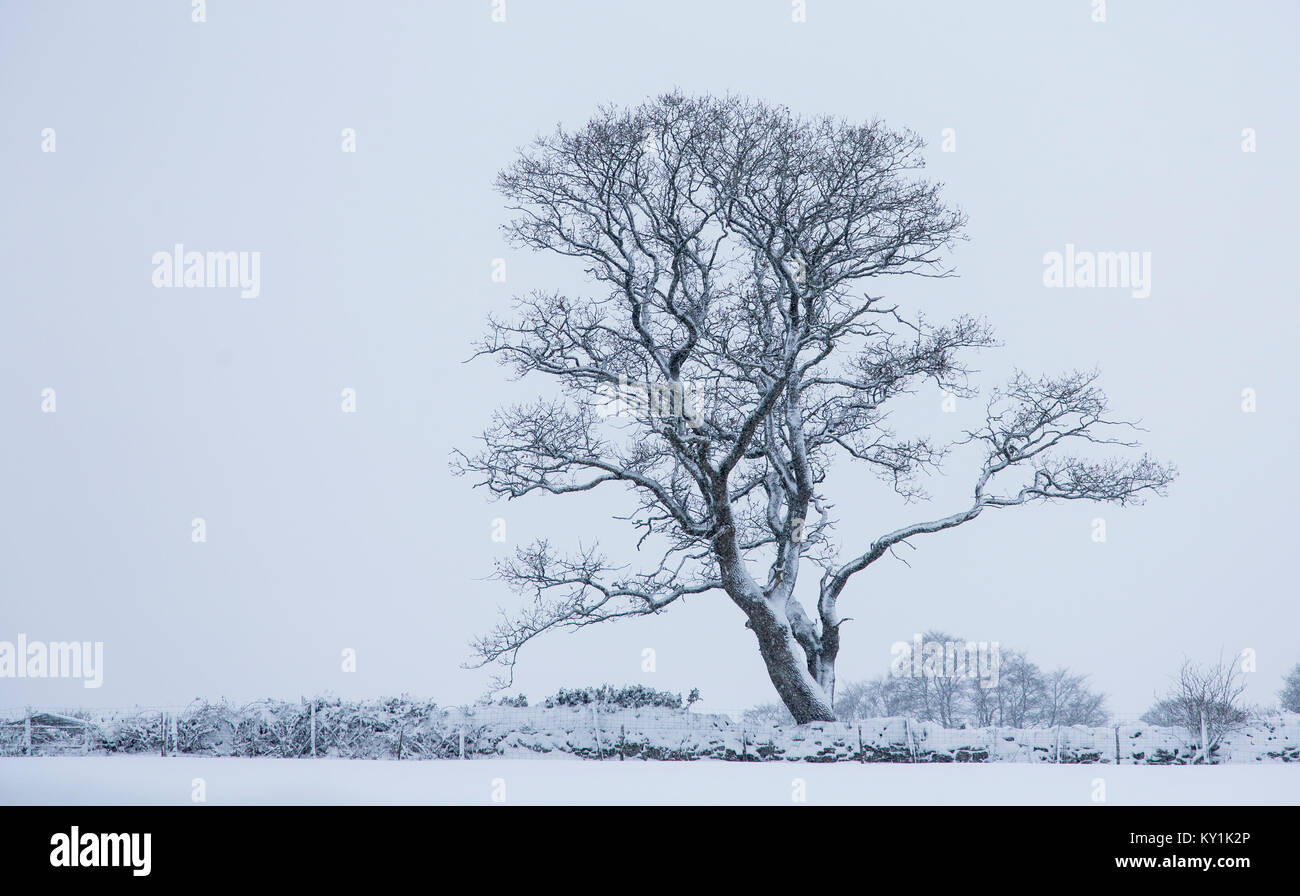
[[27, 731], [313, 727], [461, 733]]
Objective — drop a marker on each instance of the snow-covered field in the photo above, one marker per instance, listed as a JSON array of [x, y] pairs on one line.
[[112, 780]]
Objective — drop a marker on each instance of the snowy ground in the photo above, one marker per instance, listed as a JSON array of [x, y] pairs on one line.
[[96, 780]]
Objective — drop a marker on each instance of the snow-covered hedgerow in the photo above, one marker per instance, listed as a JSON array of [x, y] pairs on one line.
[[413, 729]]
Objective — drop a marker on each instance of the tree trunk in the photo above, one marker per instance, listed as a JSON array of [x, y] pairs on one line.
[[799, 691]]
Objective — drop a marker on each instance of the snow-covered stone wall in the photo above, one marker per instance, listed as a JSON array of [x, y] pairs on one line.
[[655, 734], [408, 729]]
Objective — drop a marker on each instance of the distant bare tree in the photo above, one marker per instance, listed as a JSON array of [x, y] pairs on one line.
[[1206, 701], [729, 244], [1023, 697], [945, 694], [768, 714], [1289, 696], [860, 700], [880, 698], [984, 706], [1067, 701], [1019, 690]]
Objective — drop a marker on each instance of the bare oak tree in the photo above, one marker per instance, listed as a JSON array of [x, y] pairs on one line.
[[729, 244]]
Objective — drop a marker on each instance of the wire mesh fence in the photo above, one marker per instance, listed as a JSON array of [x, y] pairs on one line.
[[406, 729]]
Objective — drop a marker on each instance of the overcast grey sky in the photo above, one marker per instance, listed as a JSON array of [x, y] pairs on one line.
[[328, 530]]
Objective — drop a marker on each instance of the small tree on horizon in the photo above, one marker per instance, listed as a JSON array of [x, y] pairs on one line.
[[730, 245], [1289, 697], [1205, 700]]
